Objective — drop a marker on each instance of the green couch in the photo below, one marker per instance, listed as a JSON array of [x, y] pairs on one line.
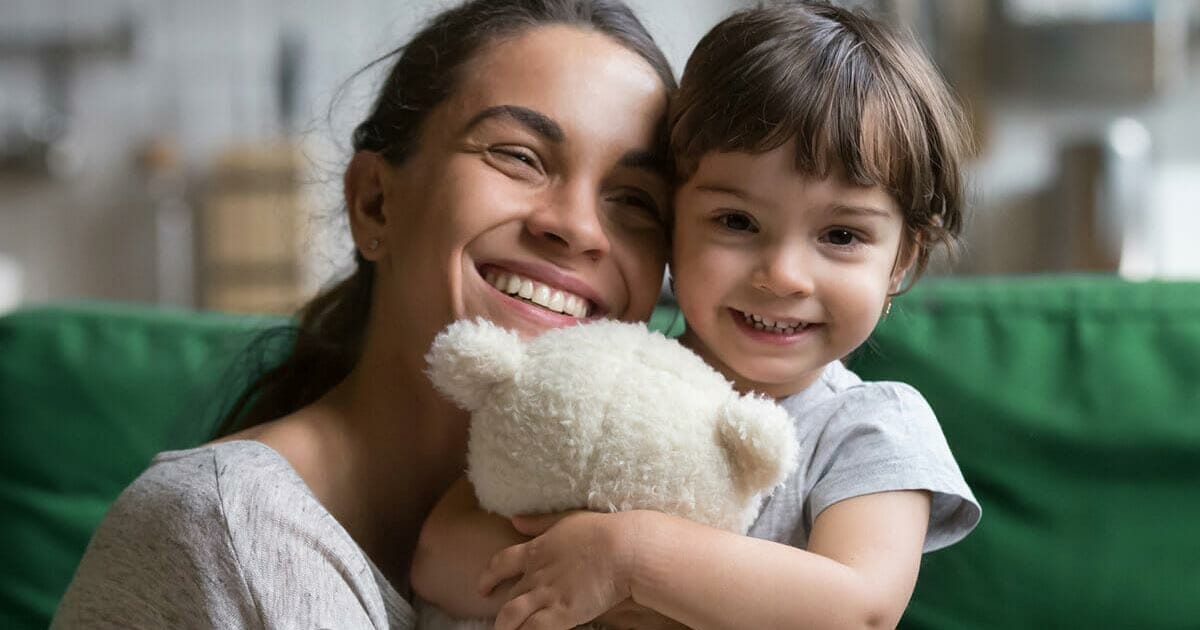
[[1072, 404]]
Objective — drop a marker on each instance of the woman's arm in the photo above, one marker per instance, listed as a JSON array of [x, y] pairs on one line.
[[456, 542], [859, 571]]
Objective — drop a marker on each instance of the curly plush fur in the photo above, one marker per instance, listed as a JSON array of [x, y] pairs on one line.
[[609, 416]]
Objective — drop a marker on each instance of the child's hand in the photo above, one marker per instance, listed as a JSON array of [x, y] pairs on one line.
[[576, 568]]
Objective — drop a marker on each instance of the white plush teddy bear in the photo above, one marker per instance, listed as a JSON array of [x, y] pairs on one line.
[[608, 416]]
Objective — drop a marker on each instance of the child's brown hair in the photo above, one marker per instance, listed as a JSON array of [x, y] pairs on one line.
[[861, 100]]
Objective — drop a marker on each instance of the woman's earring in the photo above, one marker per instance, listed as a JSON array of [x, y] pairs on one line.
[[887, 307], [374, 245]]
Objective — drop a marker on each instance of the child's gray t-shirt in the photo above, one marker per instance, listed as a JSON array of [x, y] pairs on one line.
[[859, 438], [226, 536]]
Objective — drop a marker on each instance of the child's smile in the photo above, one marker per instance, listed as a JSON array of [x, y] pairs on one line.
[[768, 329], [779, 273]]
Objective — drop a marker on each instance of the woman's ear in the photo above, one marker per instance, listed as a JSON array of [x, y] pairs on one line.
[[363, 184]]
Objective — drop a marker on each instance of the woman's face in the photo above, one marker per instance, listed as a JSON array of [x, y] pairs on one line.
[[534, 197]]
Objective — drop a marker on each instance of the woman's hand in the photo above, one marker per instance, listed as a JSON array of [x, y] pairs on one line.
[[577, 568]]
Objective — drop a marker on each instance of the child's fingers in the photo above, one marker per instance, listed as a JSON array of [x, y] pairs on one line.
[[547, 619], [507, 564], [515, 613]]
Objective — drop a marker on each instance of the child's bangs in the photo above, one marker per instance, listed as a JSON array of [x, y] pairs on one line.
[[847, 120], [855, 124]]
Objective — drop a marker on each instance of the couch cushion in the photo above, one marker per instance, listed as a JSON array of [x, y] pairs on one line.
[[88, 394], [1073, 407]]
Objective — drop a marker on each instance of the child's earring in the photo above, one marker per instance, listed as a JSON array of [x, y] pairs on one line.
[[374, 245], [887, 307]]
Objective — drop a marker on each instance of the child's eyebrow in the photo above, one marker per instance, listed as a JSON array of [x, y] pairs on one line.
[[728, 190], [860, 210]]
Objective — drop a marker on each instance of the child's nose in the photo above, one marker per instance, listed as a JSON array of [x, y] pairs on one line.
[[785, 272]]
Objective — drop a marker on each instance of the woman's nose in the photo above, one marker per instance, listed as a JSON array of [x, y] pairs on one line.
[[784, 271], [570, 222]]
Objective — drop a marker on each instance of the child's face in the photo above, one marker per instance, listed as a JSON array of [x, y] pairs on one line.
[[777, 273]]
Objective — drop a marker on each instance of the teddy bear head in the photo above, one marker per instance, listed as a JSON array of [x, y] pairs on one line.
[[609, 416]]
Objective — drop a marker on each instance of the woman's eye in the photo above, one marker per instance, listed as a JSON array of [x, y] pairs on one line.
[[736, 221], [512, 154], [636, 200]]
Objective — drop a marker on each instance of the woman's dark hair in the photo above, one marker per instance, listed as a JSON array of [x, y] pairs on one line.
[[852, 92], [328, 336]]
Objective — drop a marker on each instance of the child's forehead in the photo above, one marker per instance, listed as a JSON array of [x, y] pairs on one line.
[[773, 179], [778, 164]]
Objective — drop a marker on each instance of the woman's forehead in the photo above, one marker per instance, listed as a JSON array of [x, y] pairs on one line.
[[584, 81]]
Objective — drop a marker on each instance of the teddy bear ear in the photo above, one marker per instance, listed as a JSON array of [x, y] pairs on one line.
[[760, 439], [469, 358]]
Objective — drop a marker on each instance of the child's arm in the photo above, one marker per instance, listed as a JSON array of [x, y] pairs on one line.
[[859, 571], [456, 542]]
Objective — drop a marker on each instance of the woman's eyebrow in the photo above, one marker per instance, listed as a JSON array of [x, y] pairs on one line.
[[650, 161], [532, 120]]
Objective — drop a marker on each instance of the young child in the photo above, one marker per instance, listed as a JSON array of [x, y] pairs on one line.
[[818, 155]]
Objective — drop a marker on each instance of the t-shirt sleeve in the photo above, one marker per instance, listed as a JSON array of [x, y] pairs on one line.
[[161, 558], [209, 548], [884, 437]]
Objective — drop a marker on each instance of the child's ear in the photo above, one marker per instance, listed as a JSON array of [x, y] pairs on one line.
[[363, 183], [906, 258]]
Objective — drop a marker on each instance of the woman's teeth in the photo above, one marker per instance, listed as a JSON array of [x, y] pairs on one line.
[[544, 296], [766, 324]]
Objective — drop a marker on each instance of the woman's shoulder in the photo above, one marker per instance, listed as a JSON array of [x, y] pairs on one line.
[[228, 531], [204, 481]]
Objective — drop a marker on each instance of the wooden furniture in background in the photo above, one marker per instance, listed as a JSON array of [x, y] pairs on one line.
[[252, 231]]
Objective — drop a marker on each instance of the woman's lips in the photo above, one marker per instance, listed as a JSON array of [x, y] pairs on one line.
[[538, 284]]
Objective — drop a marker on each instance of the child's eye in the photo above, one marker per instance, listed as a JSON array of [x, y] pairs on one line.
[[737, 221], [841, 237]]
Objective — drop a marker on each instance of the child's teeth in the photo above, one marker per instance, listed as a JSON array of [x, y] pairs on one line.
[[512, 285], [770, 325], [556, 302]]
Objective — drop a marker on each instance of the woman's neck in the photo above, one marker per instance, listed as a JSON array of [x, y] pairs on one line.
[[378, 451]]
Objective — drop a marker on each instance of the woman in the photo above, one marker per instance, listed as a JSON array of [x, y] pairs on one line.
[[521, 137]]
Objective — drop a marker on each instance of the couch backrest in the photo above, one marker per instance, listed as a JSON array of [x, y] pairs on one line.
[[88, 394], [1073, 407]]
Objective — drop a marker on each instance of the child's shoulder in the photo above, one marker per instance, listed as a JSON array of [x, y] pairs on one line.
[[840, 391]]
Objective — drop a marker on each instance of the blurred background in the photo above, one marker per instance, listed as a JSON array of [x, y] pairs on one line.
[[190, 154]]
